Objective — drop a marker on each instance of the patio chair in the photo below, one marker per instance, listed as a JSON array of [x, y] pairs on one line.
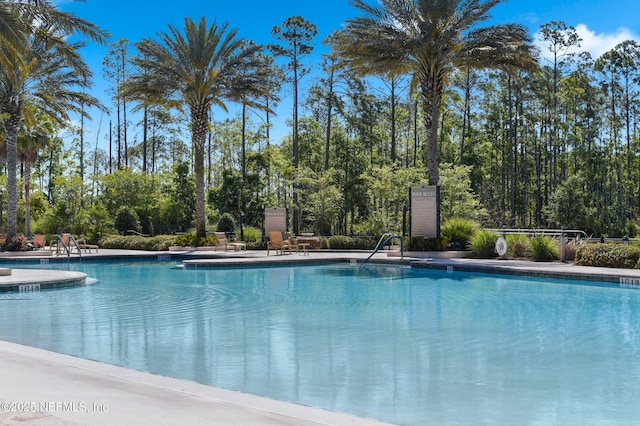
[[38, 241], [278, 242], [82, 244], [221, 237]]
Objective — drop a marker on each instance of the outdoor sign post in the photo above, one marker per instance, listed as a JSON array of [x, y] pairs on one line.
[[425, 211], [275, 219]]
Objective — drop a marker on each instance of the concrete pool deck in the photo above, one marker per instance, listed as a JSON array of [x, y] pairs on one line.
[[38, 387]]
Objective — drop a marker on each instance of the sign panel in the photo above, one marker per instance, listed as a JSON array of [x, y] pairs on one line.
[[425, 211], [275, 219]]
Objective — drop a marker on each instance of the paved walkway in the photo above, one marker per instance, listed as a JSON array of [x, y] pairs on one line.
[[38, 387]]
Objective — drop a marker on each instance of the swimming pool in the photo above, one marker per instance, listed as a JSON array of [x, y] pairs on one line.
[[397, 344]]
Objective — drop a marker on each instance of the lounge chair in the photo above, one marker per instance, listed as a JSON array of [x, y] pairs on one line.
[[38, 242], [82, 244], [225, 243], [278, 242]]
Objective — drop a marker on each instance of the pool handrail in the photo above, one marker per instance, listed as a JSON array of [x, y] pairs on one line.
[[533, 231], [67, 246], [381, 243]]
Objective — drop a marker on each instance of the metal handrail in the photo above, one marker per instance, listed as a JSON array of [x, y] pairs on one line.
[[68, 248], [388, 237], [554, 232]]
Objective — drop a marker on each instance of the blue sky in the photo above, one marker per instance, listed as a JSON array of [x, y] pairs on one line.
[[600, 23]]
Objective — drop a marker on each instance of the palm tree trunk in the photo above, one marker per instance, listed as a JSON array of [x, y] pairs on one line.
[[11, 126], [432, 97], [244, 144], [200, 119], [27, 198]]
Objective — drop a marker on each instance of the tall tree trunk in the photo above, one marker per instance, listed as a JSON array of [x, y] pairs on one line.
[[124, 130], [466, 114], [118, 137], [244, 144], [431, 91], [110, 147], [12, 124], [27, 198], [200, 120], [82, 145], [145, 125], [296, 211], [124, 113], [327, 141], [512, 153], [268, 136], [393, 120]]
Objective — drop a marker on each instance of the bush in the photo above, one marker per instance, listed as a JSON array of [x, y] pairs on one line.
[[14, 244], [134, 242], [342, 242], [483, 244], [323, 243], [544, 249], [518, 245], [427, 244], [127, 219], [227, 223], [608, 256], [458, 231], [252, 235], [190, 239]]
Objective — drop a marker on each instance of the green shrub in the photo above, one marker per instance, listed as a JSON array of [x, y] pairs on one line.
[[227, 223], [189, 239], [251, 234], [427, 244], [343, 242], [459, 230], [544, 249], [608, 255], [135, 242], [323, 243], [127, 219], [483, 244], [518, 245]]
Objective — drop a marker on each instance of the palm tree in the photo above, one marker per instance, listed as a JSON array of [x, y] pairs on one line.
[[32, 138], [42, 68], [429, 39], [203, 67]]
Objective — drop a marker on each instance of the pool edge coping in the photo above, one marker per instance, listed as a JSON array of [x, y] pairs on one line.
[[120, 383]]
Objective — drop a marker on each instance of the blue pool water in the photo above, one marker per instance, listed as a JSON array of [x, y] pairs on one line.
[[405, 346]]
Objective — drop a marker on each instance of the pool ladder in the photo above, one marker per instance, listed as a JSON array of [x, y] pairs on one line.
[[383, 241], [67, 247]]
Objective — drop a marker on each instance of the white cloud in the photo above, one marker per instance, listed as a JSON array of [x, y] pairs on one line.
[[594, 43], [597, 44]]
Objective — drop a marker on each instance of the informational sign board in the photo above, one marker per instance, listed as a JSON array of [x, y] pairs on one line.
[[425, 211], [275, 219]]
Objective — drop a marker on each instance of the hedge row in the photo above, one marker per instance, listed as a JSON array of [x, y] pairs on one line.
[[160, 242], [609, 256], [343, 242]]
